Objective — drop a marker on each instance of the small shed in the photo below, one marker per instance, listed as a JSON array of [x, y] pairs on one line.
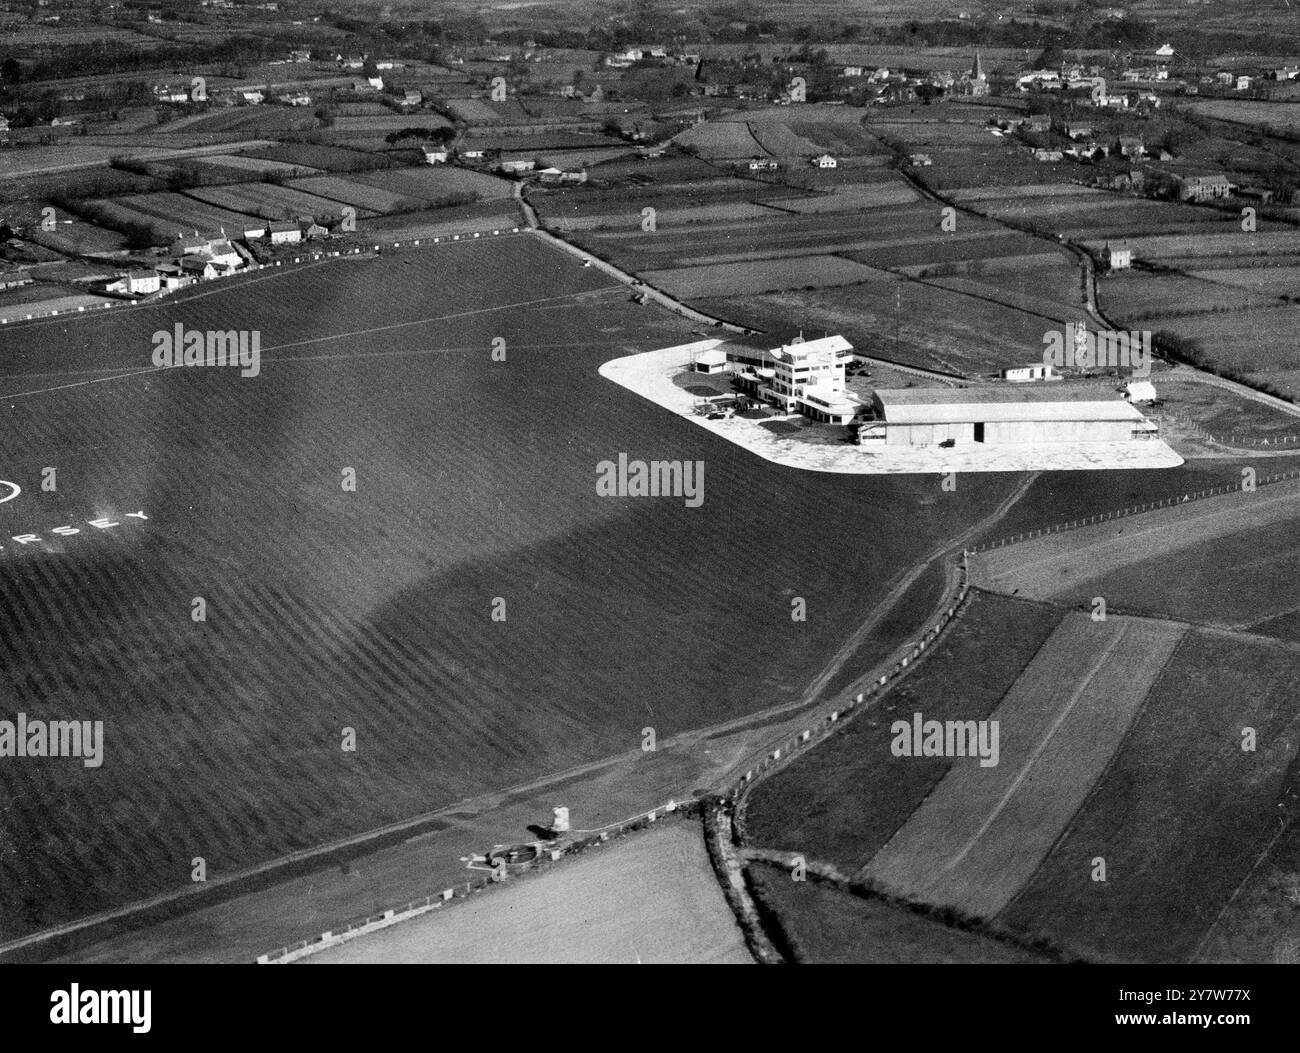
[[712, 361], [1140, 391]]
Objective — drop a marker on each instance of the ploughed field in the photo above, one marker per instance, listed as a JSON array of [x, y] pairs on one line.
[[371, 610]]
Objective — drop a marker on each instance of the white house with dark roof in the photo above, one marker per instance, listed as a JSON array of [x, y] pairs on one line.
[[284, 233], [135, 283]]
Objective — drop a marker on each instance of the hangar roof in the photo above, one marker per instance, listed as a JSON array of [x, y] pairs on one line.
[[988, 404]]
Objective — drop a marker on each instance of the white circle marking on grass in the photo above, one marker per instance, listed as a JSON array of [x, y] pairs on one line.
[[14, 491]]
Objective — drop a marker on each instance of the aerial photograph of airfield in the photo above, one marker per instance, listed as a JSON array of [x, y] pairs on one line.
[[722, 482]]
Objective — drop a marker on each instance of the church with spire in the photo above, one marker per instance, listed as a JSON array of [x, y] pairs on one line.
[[977, 84]]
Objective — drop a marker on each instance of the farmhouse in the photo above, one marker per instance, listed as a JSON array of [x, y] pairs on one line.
[[435, 155], [218, 250], [1204, 187], [135, 283], [224, 254], [1131, 146], [1026, 415], [825, 161], [172, 277], [199, 265], [284, 233], [1255, 193], [1118, 257]]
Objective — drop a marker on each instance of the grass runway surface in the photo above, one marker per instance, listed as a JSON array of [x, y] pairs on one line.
[[328, 609]]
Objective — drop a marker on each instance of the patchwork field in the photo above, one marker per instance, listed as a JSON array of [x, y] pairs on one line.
[[1183, 814], [325, 158], [392, 122], [1224, 561], [269, 201], [841, 802], [983, 831], [914, 323], [852, 198], [721, 140], [732, 279], [360, 196], [438, 182], [171, 215], [257, 165], [328, 608]]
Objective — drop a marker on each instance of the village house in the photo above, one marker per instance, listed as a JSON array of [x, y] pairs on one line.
[[284, 233], [1133, 180], [1118, 257], [435, 155], [224, 254], [1204, 187], [172, 276], [516, 167], [1254, 193], [825, 161], [199, 266], [135, 283], [1131, 146], [253, 98]]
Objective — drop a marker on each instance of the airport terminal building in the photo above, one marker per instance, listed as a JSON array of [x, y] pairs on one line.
[[1003, 416]]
